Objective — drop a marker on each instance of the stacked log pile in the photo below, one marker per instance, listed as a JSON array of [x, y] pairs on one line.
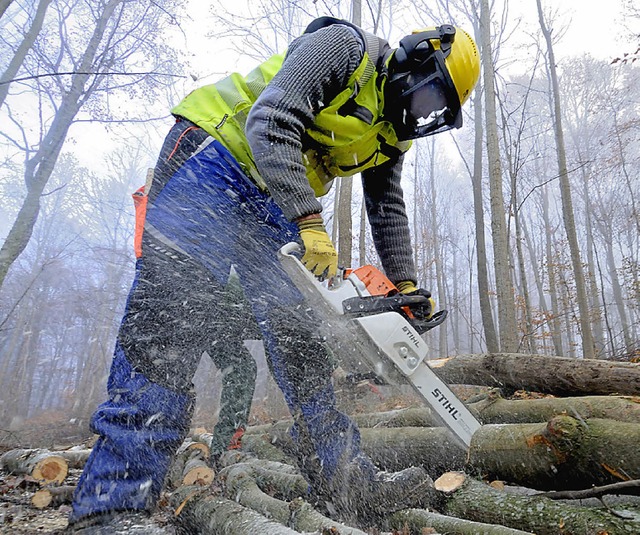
[[542, 464], [535, 462]]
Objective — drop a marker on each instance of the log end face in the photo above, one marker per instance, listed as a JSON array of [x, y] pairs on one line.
[[450, 482], [52, 469]]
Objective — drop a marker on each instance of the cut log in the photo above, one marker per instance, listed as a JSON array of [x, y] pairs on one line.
[[496, 410], [564, 454], [493, 409], [197, 511], [552, 375], [390, 448], [411, 417], [261, 446], [417, 520], [394, 449], [76, 458], [52, 496], [42, 465], [190, 466], [475, 501], [200, 436], [242, 486], [197, 472]]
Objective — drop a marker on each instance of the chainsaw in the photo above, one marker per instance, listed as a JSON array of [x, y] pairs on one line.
[[376, 331]]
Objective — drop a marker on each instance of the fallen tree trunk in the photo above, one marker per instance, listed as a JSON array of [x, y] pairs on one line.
[[390, 449], [197, 511], [44, 466], [260, 445], [394, 449], [76, 458], [552, 375], [566, 453], [494, 409], [473, 500], [416, 520]]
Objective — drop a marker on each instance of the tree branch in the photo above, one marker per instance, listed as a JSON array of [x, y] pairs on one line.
[[631, 488], [71, 73]]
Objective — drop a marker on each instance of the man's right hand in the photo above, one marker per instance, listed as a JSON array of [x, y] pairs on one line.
[[320, 256]]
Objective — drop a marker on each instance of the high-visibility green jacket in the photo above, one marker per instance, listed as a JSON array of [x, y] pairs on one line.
[[347, 136]]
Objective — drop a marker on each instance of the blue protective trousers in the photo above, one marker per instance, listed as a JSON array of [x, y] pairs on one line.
[[204, 216]]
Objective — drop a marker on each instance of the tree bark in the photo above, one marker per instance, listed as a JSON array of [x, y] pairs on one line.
[[418, 520], [436, 255], [479, 502], [486, 312], [554, 321], [504, 286], [496, 410], [565, 453], [493, 409], [484, 293], [242, 485], [567, 204], [538, 373], [199, 512], [392, 448]]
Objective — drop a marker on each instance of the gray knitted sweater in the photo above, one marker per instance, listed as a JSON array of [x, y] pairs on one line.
[[316, 68]]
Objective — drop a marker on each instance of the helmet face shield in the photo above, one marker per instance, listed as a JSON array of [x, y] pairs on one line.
[[420, 96]]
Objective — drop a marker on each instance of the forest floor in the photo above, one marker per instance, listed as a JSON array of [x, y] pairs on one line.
[[19, 517]]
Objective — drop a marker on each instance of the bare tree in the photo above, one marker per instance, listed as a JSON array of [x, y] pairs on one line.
[[588, 348], [114, 32], [23, 48], [4, 4], [504, 285], [345, 192]]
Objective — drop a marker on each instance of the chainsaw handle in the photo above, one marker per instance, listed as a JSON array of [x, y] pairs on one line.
[[296, 250], [292, 249], [376, 304]]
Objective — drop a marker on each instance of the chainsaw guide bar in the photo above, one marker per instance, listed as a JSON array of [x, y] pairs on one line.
[[371, 328]]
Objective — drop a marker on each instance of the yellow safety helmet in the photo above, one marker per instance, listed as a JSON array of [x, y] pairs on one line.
[[430, 76]]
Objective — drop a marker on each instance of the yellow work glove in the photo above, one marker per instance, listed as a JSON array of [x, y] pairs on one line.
[[410, 288], [320, 256]]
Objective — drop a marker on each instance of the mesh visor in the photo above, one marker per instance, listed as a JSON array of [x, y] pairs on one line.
[[423, 102]]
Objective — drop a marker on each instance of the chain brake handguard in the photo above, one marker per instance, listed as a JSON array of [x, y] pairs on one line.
[[412, 307]]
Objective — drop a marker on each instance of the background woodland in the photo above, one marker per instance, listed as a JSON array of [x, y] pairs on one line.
[[525, 222]]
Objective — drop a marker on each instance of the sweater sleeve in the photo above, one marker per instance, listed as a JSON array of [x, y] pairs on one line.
[[388, 219], [316, 68]]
